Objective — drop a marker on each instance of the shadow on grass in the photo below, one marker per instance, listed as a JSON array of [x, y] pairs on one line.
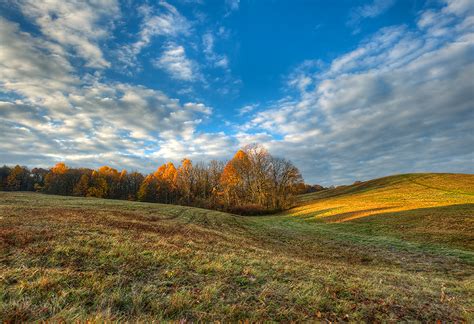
[[441, 211], [347, 216], [375, 214], [315, 214], [444, 225]]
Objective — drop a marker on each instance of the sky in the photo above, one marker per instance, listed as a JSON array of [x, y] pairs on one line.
[[347, 90]]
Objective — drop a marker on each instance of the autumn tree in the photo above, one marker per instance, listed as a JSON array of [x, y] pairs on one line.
[[131, 183], [202, 185], [253, 181], [285, 179], [56, 181], [21, 178], [122, 185], [253, 177], [213, 178], [112, 178], [259, 175], [166, 177], [82, 187], [18, 179], [185, 181], [148, 189], [230, 180], [98, 186], [244, 177]]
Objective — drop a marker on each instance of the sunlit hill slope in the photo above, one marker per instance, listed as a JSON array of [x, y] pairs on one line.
[[436, 207]]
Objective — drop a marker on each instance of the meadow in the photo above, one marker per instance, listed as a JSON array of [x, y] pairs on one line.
[[395, 248]]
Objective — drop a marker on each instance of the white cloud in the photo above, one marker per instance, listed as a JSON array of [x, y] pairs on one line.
[[400, 102], [31, 66], [459, 7], [52, 113], [174, 61], [163, 20], [247, 109], [215, 59], [374, 9], [439, 23], [76, 25], [302, 76], [200, 147]]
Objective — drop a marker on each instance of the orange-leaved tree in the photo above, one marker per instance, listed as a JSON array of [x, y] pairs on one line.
[[82, 187], [166, 177], [234, 179], [185, 181], [57, 180], [148, 189], [98, 186], [112, 177]]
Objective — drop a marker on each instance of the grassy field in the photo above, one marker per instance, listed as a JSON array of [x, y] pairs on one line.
[[396, 248]]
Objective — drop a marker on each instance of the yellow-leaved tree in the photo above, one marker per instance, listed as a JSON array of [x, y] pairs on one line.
[[185, 181]]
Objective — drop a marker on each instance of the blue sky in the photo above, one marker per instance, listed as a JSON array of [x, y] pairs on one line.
[[347, 90]]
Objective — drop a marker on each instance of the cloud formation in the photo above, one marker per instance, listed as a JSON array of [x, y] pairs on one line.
[[162, 20], [174, 61], [216, 60], [402, 100], [52, 112], [76, 25], [374, 9]]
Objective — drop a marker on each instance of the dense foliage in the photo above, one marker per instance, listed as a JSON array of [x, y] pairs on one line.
[[252, 182]]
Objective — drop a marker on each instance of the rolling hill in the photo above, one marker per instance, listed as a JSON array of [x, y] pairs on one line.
[[395, 248], [433, 208]]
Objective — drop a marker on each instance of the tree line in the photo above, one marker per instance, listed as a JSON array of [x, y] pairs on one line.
[[252, 182]]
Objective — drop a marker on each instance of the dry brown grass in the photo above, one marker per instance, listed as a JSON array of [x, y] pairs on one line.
[[65, 258]]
